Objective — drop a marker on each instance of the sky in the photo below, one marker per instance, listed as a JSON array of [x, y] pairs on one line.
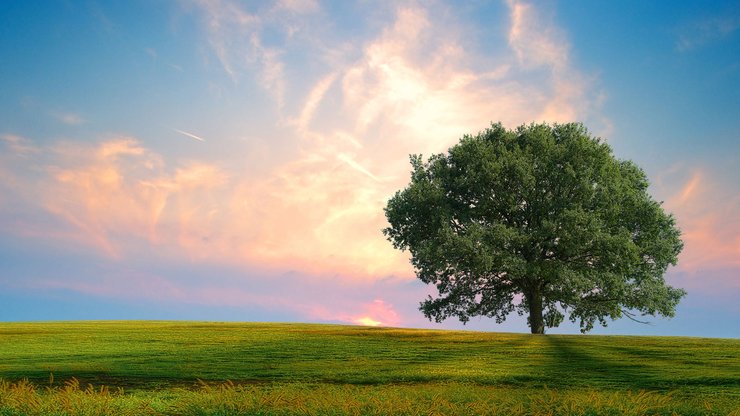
[[224, 160]]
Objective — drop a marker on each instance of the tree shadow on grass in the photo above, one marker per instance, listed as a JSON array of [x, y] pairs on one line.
[[686, 368], [575, 363]]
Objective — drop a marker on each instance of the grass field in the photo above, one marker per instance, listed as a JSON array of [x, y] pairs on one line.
[[164, 368]]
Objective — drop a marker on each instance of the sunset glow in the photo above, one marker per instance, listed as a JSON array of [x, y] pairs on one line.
[[367, 321]]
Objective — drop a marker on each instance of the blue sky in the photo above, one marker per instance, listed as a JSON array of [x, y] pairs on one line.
[[226, 160]]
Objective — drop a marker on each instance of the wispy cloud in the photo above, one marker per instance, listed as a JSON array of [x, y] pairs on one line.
[[227, 24], [15, 154], [302, 122], [706, 31], [298, 6], [18, 145], [535, 40], [235, 36], [539, 43], [71, 119]]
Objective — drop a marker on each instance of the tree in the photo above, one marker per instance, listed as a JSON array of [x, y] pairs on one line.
[[543, 220]]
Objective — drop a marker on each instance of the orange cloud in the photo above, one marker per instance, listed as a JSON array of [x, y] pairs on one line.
[[313, 214]]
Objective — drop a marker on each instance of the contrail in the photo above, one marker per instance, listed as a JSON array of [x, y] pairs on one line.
[[346, 159], [191, 135]]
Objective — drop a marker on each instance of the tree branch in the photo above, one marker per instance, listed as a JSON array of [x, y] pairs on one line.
[[631, 316]]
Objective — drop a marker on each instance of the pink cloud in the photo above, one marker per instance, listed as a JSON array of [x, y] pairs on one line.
[[709, 220]]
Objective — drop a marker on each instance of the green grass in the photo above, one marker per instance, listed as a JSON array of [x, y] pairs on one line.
[[181, 368]]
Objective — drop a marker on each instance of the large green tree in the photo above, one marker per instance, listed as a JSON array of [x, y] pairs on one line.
[[542, 220]]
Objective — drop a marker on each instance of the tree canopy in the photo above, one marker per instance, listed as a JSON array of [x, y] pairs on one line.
[[543, 220]]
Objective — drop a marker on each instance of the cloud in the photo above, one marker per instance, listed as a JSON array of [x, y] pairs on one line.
[[540, 44], [91, 189], [18, 145], [298, 6], [349, 114], [534, 39], [71, 119], [302, 122], [412, 88], [708, 218], [236, 37], [706, 31], [226, 24], [120, 197], [116, 194]]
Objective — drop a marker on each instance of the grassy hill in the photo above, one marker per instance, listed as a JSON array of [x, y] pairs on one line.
[[180, 367]]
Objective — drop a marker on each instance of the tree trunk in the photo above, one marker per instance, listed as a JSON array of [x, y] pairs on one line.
[[536, 322]]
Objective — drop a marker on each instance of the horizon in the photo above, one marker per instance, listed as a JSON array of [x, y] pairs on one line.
[[220, 161], [349, 325]]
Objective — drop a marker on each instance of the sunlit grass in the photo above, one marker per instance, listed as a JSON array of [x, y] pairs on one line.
[[23, 398], [185, 368]]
